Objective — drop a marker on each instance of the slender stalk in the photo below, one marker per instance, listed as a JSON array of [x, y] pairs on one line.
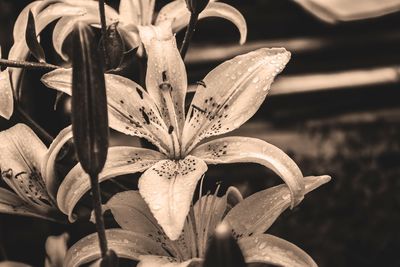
[[189, 33], [25, 117], [98, 214], [27, 64], [104, 32]]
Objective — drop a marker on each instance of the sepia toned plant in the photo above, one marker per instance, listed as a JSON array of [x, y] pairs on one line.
[[227, 97], [142, 239], [160, 225], [27, 167]]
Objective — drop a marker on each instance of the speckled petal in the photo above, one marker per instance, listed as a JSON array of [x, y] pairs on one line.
[[243, 149], [120, 160], [6, 95], [168, 187], [10, 203], [258, 212], [130, 108], [125, 244], [166, 79], [162, 261], [177, 12], [273, 250], [231, 93], [21, 155]]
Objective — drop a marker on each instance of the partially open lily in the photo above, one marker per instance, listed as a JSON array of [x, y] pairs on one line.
[[135, 13], [227, 97], [23, 161], [142, 239]]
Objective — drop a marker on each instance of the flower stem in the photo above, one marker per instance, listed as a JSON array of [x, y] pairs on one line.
[[104, 32], [27, 64], [98, 214], [25, 117], [189, 33]]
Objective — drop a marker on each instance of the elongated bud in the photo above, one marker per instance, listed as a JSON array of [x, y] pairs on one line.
[[196, 6], [223, 250], [89, 102]]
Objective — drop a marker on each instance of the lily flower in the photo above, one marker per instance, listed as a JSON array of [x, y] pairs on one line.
[[23, 161], [227, 97], [142, 239], [135, 13]]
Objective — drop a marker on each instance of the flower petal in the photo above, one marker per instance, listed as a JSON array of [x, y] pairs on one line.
[[66, 24], [243, 149], [273, 250], [20, 50], [136, 12], [120, 160], [166, 79], [168, 187], [258, 212], [162, 261], [125, 244], [130, 109], [177, 12], [56, 250], [10, 203], [48, 163], [21, 155], [231, 93], [6, 95]]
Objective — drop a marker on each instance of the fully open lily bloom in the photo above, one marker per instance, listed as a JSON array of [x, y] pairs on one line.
[[27, 167], [227, 97], [141, 238]]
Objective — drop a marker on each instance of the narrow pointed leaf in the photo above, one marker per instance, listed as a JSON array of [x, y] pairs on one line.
[[6, 95], [223, 250], [126, 244], [244, 149], [269, 249], [258, 212], [31, 39], [89, 102]]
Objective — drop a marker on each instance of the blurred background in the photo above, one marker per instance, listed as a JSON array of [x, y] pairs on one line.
[[335, 109]]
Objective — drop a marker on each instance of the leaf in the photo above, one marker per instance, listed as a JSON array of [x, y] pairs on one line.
[[31, 39], [126, 244], [6, 95], [223, 250], [89, 102], [273, 250], [236, 149], [256, 213], [231, 93]]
